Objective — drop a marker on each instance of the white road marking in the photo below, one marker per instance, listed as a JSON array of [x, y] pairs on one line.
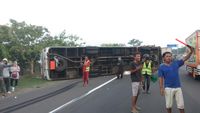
[[82, 96]]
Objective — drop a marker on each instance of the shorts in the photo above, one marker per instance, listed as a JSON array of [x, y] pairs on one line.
[[135, 88], [170, 93]]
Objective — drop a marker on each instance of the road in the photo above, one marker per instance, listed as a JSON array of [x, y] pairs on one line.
[[111, 97]]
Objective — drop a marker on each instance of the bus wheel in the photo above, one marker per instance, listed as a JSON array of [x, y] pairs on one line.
[[61, 65]]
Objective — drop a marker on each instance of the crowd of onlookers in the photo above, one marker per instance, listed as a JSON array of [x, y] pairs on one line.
[[9, 76]]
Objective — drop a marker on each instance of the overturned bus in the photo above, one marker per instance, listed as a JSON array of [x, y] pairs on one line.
[[66, 62]]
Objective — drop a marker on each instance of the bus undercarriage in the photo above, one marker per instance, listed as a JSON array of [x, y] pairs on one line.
[[66, 62]]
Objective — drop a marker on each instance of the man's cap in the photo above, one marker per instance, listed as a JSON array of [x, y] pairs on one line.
[[5, 59], [146, 56]]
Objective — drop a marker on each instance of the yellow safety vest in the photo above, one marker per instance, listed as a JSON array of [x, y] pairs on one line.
[[87, 68], [147, 70]]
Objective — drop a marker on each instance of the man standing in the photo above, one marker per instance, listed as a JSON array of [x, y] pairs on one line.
[[136, 67], [2, 83], [120, 68], [6, 74], [169, 77], [147, 71], [86, 70]]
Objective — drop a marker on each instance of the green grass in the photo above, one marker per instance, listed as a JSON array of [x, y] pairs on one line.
[[30, 82]]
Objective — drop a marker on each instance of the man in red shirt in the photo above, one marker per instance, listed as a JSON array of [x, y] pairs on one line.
[[86, 70]]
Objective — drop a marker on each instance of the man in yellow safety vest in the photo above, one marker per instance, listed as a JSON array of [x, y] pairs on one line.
[[147, 71]]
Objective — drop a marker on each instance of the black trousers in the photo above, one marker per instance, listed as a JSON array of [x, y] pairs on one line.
[[7, 83], [2, 85], [146, 82], [120, 72], [14, 82]]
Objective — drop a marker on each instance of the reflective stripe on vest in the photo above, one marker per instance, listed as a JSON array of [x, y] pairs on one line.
[[87, 69], [147, 70]]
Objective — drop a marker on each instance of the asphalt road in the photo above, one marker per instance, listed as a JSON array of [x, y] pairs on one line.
[[113, 97]]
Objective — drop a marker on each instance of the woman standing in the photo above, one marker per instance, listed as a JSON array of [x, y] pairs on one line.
[[86, 70], [15, 69]]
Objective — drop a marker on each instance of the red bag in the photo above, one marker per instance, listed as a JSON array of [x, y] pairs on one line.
[[14, 74]]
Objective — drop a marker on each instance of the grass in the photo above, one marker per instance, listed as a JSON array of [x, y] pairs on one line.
[[31, 82]]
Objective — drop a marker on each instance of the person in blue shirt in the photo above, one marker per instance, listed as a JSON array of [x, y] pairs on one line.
[[169, 81]]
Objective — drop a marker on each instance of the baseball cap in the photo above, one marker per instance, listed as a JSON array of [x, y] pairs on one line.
[[5, 59]]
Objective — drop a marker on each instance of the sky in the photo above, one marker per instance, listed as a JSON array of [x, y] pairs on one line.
[[155, 22]]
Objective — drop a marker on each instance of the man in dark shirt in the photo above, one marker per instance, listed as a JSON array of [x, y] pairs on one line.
[[120, 68], [136, 77], [2, 82]]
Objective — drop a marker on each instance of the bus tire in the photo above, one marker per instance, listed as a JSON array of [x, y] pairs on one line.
[[62, 64]]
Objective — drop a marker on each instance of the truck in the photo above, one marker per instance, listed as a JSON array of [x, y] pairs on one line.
[[66, 62], [193, 64]]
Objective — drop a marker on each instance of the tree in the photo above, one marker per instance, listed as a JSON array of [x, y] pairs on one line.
[[62, 40], [181, 50], [135, 42], [4, 40], [113, 45], [74, 41], [70, 40], [24, 42]]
